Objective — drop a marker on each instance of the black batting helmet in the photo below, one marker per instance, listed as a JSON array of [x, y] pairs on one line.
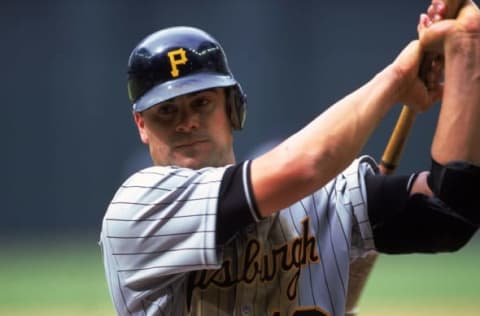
[[181, 60]]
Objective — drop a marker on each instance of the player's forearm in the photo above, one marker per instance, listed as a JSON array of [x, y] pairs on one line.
[[458, 131], [318, 152], [337, 136]]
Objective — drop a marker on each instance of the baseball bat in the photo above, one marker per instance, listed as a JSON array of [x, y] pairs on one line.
[[361, 268]]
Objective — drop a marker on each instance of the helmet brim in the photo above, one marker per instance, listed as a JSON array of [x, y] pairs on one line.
[[181, 86]]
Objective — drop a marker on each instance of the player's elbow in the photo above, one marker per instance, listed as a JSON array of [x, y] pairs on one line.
[[432, 227]]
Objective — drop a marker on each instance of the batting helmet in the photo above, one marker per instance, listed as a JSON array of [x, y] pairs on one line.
[[177, 61]]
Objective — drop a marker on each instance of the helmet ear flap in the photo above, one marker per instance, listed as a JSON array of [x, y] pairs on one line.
[[236, 106]]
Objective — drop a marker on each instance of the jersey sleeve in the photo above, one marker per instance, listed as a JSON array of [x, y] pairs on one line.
[[352, 182], [164, 222], [160, 224]]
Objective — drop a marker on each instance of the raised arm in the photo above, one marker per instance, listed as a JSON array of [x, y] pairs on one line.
[[457, 135], [317, 153], [458, 132]]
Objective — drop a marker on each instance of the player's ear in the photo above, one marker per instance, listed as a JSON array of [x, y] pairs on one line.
[[140, 122]]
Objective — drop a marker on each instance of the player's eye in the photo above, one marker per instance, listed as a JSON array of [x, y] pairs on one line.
[[166, 111], [202, 104]]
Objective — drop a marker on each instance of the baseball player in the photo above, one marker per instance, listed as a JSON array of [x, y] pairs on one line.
[[202, 234]]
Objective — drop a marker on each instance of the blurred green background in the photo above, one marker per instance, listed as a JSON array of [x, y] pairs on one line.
[[65, 278]]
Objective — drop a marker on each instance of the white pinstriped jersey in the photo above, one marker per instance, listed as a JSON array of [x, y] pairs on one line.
[[161, 258]]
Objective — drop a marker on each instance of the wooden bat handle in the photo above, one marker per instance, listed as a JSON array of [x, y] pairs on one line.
[[393, 150]]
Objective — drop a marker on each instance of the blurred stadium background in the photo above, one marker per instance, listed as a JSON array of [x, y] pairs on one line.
[[69, 139]]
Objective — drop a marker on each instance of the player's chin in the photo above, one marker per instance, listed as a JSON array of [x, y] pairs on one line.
[[197, 161], [206, 155]]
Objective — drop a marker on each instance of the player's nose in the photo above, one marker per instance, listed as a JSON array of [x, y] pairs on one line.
[[187, 120]]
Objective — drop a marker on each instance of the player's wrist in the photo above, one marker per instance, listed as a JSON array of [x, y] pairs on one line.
[[395, 77]]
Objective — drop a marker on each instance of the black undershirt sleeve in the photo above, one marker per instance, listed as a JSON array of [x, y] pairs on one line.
[[233, 208], [386, 196], [405, 223]]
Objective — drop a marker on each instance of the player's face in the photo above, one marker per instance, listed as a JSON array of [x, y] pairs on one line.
[[190, 131]]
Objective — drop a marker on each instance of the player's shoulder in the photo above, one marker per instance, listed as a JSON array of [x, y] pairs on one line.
[[172, 176], [157, 184]]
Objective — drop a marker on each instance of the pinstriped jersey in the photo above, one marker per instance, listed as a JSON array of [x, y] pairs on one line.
[[161, 257]]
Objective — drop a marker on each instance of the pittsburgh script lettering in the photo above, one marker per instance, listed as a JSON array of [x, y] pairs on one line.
[[259, 264]]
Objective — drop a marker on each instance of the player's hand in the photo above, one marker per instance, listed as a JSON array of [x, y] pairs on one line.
[[431, 71], [412, 90], [421, 93], [435, 13], [436, 34]]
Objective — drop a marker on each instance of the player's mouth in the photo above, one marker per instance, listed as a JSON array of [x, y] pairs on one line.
[[191, 144]]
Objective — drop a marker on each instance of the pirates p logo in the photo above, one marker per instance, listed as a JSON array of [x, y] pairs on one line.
[[177, 57]]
